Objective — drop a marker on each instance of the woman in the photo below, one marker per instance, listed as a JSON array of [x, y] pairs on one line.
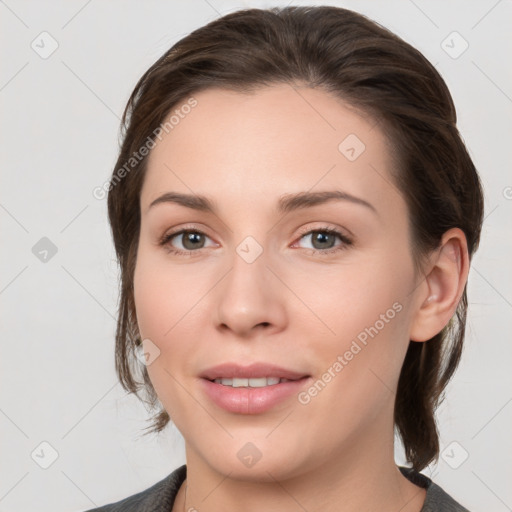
[[294, 214]]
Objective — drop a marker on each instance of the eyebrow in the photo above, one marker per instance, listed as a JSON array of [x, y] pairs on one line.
[[285, 204]]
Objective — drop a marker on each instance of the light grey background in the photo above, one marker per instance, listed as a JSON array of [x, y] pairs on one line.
[[60, 118]]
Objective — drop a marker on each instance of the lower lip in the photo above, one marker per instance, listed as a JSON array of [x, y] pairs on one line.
[[251, 400]]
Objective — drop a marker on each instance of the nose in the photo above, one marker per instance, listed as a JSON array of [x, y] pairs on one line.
[[250, 299]]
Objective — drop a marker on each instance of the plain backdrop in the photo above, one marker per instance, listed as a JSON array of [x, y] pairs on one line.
[[67, 69]]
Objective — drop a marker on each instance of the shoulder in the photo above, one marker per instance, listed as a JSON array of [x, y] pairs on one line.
[[437, 500], [157, 498]]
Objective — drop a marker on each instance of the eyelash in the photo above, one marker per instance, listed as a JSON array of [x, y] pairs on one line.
[[346, 242]]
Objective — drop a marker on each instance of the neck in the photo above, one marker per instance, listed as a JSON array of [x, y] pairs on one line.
[[360, 476]]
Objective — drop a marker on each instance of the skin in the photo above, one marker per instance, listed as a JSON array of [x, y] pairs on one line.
[[290, 307]]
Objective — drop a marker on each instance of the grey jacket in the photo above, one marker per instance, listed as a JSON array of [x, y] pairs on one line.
[[160, 497]]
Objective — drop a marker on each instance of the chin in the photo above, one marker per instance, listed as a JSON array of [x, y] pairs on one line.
[[256, 461]]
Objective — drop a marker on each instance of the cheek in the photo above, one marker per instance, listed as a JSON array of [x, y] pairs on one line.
[[359, 366], [361, 313], [341, 301], [162, 295], [152, 303], [169, 313]]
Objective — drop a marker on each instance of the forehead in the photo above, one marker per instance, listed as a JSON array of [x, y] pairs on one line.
[[274, 140]]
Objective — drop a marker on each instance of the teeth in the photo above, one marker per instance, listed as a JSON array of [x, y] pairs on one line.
[[258, 382]]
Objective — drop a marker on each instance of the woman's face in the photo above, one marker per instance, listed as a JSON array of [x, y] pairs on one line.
[[263, 282]]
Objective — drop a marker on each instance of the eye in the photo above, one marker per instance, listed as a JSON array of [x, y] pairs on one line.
[[323, 240], [191, 240]]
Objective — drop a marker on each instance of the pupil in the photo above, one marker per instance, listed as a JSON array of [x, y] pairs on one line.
[[321, 238], [191, 237]]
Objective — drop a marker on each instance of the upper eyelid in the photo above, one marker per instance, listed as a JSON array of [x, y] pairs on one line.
[[327, 227], [302, 231]]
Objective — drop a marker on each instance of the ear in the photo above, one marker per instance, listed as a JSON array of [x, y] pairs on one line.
[[440, 293]]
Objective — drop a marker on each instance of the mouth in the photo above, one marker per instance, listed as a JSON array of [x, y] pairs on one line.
[[257, 382], [254, 375], [252, 389]]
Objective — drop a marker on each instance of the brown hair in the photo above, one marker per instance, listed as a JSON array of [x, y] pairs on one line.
[[367, 67]]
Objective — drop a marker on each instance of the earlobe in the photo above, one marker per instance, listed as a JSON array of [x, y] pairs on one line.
[[443, 287]]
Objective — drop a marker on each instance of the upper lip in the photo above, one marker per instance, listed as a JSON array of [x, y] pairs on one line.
[[254, 370]]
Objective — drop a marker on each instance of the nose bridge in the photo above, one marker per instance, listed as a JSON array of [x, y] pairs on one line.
[[249, 296]]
